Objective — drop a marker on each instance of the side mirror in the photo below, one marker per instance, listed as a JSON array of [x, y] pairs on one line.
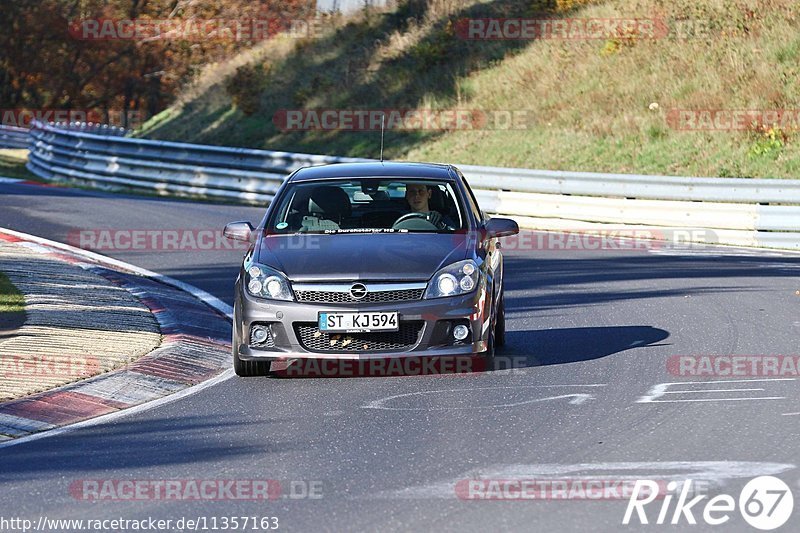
[[501, 227], [238, 231]]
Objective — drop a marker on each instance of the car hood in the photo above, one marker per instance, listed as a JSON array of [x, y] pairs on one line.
[[343, 257]]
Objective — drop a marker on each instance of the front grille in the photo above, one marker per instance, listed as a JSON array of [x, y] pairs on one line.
[[313, 340], [336, 297]]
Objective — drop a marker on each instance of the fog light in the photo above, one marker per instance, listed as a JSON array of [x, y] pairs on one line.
[[460, 332], [260, 334]]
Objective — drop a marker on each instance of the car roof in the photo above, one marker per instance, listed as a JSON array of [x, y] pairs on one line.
[[376, 170]]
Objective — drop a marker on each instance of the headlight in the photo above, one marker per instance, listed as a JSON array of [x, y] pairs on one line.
[[455, 279], [264, 282]]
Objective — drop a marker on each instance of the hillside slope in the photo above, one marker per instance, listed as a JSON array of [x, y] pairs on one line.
[[593, 104]]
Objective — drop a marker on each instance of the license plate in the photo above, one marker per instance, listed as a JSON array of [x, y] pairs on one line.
[[357, 322]]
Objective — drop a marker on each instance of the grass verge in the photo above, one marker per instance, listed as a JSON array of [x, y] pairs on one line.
[[591, 104], [12, 164], [12, 305]]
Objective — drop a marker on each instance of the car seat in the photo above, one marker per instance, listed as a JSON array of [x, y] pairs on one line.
[[328, 207], [438, 201]]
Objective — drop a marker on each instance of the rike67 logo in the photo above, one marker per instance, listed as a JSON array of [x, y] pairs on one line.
[[766, 503]]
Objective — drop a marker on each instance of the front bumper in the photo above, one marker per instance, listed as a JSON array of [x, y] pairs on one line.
[[433, 315]]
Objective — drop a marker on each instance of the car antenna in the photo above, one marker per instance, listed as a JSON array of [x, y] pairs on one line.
[[383, 121]]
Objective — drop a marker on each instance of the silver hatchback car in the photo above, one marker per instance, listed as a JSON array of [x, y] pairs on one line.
[[369, 261]]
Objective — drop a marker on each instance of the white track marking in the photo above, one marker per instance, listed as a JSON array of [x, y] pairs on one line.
[[662, 389], [576, 398], [720, 400], [715, 473], [723, 250], [708, 390]]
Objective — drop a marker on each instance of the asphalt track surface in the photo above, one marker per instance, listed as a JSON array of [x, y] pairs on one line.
[[591, 333]]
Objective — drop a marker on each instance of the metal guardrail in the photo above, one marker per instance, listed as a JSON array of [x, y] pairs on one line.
[[17, 137], [13, 137], [215, 172], [757, 212], [640, 187], [92, 127]]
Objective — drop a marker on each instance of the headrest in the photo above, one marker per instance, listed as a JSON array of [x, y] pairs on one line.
[[331, 201], [437, 201]]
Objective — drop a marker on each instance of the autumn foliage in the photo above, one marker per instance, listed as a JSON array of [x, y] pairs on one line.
[[45, 65]]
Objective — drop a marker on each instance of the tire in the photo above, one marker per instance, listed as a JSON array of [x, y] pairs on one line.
[[250, 369], [247, 369], [500, 324], [488, 355]]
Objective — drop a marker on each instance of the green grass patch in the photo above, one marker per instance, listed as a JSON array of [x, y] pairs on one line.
[[12, 164], [11, 300]]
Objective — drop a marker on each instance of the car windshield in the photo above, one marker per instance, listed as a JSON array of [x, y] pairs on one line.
[[370, 205]]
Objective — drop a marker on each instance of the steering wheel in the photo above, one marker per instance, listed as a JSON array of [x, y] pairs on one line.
[[413, 216]]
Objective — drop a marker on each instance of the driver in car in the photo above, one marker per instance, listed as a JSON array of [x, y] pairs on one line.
[[418, 195]]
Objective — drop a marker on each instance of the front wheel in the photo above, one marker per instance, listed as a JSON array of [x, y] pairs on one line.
[[249, 369], [488, 355], [500, 324]]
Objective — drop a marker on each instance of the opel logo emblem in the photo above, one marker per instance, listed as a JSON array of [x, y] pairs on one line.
[[358, 291]]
